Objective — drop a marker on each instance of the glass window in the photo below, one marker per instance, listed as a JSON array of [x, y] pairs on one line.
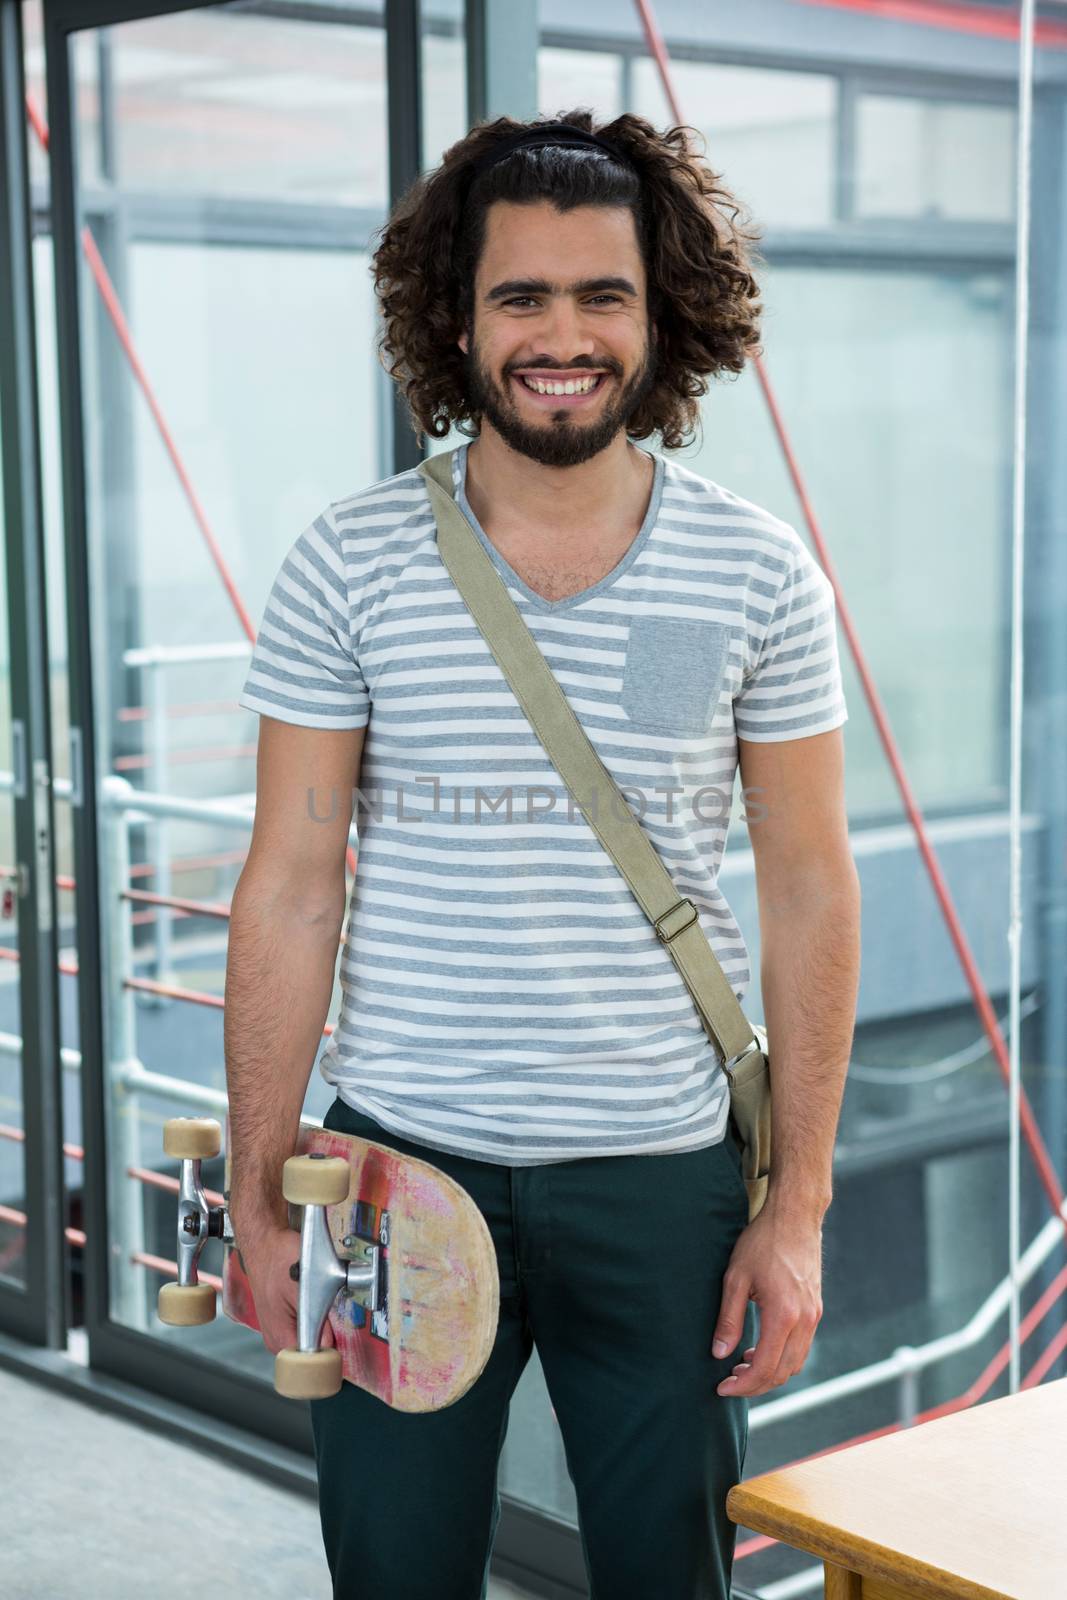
[[896, 390], [770, 132], [255, 348], [222, 103], [939, 159], [567, 79], [444, 80]]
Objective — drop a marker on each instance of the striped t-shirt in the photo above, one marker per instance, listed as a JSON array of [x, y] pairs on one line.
[[503, 994]]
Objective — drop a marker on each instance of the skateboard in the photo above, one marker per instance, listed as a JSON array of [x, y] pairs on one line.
[[394, 1252]]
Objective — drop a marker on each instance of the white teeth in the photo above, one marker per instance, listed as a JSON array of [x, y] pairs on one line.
[[571, 386]]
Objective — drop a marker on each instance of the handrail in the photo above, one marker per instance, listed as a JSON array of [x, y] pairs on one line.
[[163, 655]]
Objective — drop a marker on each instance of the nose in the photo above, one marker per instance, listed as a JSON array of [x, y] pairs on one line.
[[563, 332]]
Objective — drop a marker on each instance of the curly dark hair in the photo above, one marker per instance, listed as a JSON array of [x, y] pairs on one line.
[[701, 292]]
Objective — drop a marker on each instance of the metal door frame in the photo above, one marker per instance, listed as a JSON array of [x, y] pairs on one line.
[[37, 1310]]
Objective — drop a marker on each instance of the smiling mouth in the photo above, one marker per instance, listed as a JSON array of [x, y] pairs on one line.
[[573, 399]]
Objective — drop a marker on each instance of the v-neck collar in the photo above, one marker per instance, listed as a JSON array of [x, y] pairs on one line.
[[538, 601]]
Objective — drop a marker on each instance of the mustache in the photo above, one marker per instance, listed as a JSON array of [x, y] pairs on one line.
[[546, 366]]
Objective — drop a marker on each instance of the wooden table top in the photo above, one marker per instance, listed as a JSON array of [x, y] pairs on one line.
[[971, 1506]]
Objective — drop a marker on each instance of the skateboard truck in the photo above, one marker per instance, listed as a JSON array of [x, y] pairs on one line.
[[189, 1302], [314, 1182]]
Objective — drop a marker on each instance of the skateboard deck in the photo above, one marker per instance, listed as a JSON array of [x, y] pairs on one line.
[[435, 1327]]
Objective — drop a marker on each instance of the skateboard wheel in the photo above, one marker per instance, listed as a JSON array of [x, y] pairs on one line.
[[186, 1305], [192, 1138], [308, 1374], [316, 1181]]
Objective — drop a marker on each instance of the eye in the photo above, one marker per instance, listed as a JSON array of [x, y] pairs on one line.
[[517, 299]]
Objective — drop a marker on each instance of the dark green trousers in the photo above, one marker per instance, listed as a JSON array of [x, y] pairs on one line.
[[612, 1266]]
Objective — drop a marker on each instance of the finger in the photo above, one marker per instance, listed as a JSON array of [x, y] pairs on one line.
[[730, 1324], [767, 1355], [794, 1355]]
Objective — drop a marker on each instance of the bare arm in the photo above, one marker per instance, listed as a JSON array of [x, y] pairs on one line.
[[809, 916], [809, 911], [809, 976], [285, 924]]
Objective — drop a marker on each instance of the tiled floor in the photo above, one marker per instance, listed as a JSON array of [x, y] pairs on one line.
[[98, 1508]]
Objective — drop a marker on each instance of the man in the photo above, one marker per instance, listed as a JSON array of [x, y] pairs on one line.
[[508, 1011]]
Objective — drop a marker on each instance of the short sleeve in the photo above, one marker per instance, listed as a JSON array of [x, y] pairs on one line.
[[795, 689], [304, 666]]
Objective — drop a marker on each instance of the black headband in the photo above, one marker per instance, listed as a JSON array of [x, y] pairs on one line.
[[548, 133]]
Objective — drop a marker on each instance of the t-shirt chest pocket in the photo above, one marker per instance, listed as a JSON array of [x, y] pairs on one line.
[[674, 673]]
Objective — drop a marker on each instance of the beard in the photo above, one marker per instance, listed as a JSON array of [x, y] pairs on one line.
[[561, 440]]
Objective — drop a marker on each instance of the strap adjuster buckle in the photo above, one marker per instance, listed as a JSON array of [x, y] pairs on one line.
[[750, 1049], [688, 923]]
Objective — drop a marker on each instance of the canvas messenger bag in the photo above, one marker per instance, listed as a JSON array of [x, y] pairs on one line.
[[743, 1045]]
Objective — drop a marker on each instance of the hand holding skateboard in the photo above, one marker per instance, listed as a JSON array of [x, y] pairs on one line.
[[395, 1259], [271, 1261]]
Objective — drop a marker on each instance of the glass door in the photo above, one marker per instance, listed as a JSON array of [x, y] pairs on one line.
[[217, 175]]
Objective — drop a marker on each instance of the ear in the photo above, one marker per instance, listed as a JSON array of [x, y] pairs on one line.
[[464, 342]]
